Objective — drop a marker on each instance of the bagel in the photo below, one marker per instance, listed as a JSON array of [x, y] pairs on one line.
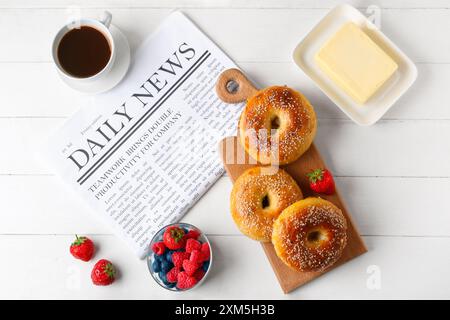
[[310, 235], [277, 125], [258, 197]]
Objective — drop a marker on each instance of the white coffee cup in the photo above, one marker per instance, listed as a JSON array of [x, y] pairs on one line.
[[101, 25]]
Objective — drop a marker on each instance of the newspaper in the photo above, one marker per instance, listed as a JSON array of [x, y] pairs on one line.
[[142, 154]]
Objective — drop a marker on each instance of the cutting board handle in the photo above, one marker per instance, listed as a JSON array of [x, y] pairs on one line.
[[233, 86]]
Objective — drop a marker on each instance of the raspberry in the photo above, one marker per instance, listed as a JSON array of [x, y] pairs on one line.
[[185, 281], [179, 257], [159, 248], [206, 252], [196, 256], [190, 267], [192, 244], [199, 274], [172, 275], [193, 234]]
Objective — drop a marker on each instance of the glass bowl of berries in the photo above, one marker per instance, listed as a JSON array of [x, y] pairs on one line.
[[180, 257]]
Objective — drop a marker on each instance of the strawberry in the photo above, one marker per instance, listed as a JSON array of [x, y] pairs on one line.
[[178, 258], [192, 244], [185, 281], [321, 181], [103, 273], [174, 238], [193, 234], [190, 267], [172, 275], [206, 253], [159, 248], [82, 248]]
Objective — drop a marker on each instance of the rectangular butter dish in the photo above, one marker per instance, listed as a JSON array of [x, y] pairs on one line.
[[374, 108]]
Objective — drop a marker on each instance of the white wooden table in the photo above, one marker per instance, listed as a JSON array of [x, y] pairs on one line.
[[394, 176]]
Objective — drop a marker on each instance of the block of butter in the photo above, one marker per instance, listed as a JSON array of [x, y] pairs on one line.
[[355, 63]]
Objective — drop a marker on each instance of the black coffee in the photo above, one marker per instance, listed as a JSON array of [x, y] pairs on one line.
[[84, 52]]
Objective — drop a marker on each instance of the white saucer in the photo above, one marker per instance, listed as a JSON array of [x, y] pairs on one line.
[[118, 71]]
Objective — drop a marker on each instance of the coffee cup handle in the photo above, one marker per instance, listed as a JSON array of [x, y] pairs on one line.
[[106, 19]]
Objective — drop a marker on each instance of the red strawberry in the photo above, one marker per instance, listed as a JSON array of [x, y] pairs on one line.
[[159, 248], [172, 275], [199, 274], [185, 281], [190, 267], [103, 273], [206, 253], [174, 238], [192, 244], [193, 234], [82, 248], [178, 258], [196, 256], [321, 181]]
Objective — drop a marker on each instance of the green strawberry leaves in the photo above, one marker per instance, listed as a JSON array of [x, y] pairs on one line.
[[109, 270], [177, 234], [315, 175], [79, 241]]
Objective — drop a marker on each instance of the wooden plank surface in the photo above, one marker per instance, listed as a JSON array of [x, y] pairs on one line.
[[258, 30], [389, 270], [349, 150], [237, 4], [57, 100], [380, 206]]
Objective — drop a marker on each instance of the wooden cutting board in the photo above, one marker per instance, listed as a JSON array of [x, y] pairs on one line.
[[236, 161]]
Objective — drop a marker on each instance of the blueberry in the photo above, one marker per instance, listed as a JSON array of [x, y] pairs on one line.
[[156, 266], [185, 230], [169, 255], [158, 258], [170, 284], [162, 276], [205, 266], [166, 266]]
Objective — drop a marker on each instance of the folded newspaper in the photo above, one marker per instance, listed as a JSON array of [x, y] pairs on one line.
[[142, 154]]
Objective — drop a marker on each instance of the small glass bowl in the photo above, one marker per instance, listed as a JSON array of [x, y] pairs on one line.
[[151, 256]]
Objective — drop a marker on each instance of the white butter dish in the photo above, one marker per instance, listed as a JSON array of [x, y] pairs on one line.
[[373, 109]]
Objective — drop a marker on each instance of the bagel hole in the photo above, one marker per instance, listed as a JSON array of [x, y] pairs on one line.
[[265, 202], [274, 124], [232, 86], [314, 237]]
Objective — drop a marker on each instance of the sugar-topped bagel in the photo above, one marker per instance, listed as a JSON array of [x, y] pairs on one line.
[[310, 235], [277, 125], [258, 197]]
